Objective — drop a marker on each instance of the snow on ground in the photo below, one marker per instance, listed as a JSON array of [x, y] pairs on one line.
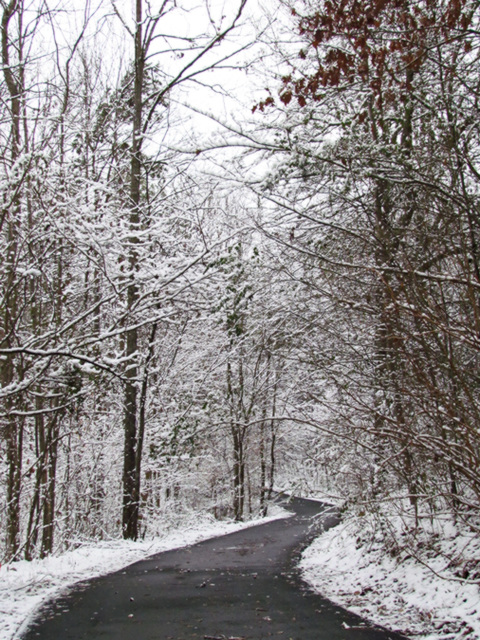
[[419, 596], [24, 586]]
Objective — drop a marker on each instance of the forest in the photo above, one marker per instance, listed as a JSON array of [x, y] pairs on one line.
[[240, 252]]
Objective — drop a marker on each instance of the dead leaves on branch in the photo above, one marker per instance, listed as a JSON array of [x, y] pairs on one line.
[[381, 43]]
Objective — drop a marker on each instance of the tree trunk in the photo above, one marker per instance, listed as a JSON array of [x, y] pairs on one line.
[[263, 468], [51, 450], [238, 473], [273, 442], [131, 464], [13, 430]]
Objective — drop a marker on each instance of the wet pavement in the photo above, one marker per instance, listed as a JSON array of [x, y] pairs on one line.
[[242, 586]]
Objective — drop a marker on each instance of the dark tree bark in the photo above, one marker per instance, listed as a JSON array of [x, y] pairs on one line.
[[12, 428], [131, 483]]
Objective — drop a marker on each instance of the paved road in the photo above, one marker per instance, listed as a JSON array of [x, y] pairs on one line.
[[239, 586]]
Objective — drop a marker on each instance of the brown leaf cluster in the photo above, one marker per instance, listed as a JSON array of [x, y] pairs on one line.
[[381, 43]]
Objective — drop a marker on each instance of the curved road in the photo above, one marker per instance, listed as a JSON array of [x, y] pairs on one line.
[[242, 586]]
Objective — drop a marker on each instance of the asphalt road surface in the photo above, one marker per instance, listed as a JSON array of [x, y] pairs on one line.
[[242, 586]]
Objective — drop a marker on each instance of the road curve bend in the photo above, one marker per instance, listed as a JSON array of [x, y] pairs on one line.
[[241, 586]]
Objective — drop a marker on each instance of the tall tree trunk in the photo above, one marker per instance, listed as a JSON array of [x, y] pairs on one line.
[[273, 443], [34, 515], [238, 473], [130, 466], [48, 525], [142, 416], [262, 444], [12, 430], [263, 466]]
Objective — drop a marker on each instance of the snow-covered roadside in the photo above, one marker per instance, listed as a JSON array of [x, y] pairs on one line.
[[26, 585], [419, 597]]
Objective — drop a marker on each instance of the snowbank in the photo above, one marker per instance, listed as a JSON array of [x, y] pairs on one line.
[[24, 586], [419, 595]]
